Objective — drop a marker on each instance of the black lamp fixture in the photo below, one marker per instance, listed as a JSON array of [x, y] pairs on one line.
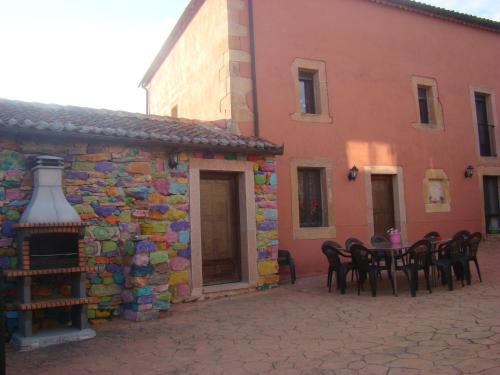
[[173, 160], [353, 173], [469, 171]]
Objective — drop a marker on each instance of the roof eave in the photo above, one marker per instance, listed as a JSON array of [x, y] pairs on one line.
[[443, 14], [36, 135]]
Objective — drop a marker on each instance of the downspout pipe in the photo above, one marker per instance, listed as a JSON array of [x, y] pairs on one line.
[[256, 126]]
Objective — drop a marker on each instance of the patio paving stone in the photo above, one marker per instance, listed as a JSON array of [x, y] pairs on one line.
[[300, 329]]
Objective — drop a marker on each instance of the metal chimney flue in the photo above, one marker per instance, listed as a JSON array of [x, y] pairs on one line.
[[48, 203]]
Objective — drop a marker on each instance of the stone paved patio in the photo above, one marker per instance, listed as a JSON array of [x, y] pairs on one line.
[[300, 330]]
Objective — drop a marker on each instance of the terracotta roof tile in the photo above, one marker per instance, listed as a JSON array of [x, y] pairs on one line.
[[25, 118]]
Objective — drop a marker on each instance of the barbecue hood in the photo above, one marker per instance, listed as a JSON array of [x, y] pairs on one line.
[[48, 203]]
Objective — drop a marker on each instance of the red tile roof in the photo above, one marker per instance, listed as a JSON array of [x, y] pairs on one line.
[[36, 119]]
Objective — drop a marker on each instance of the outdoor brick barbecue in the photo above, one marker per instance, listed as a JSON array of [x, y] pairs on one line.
[[49, 241]]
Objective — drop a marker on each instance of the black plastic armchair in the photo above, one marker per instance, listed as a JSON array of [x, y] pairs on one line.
[[417, 258], [464, 234], [377, 238], [471, 248], [285, 259], [432, 235], [334, 256], [350, 241], [450, 256], [366, 265]]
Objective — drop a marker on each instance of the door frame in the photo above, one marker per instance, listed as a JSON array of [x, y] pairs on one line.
[[248, 224], [481, 172], [398, 196]]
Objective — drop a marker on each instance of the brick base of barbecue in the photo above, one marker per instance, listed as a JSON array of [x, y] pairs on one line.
[[24, 275]]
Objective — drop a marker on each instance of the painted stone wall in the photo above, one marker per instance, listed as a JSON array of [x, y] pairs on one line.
[[137, 214]]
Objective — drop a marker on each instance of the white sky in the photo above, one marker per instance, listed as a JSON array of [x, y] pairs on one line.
[[94, 52]]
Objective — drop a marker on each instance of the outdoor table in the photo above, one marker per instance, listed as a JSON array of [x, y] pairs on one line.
[[399, 249], [394, 250]]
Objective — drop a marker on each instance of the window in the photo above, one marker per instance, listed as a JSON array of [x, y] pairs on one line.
[[310, 198], [312, 211], [423, 104], [174, 111], [430, 114], [307, 87], [311, 97], [486, 130]]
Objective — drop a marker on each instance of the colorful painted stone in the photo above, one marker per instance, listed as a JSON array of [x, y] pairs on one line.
[[175, 199], [183, 290], [145, 246], [92, 248], [269, 267], [105, 233], [176, 188], [178, 277], [184, 237], [158, 257], [267, 225], [104, 211], [104, 166], [175, 215], [161, 186], [140, 260], [179, 226], [137, 271], [13, 194], [179, 263]]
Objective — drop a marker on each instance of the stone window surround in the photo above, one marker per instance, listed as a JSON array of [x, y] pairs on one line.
[[320, 91], [440, 175], [492, 113], [435, 107], [248, 225], [329, 231], [399, 197]]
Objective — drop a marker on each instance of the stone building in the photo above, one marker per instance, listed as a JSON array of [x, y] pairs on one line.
[[400, 95], [172, 208]]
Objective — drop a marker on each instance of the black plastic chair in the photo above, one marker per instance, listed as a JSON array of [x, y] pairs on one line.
[[366, 265], [285, 259], [432, 235], [377, 238], [350, 241], [451, 256], [464, 234], [471, 248], [417, 258], [333, 253], [383, 260]]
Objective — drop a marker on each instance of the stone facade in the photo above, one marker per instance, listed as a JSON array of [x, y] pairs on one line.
[[136, 209], [212, 69]]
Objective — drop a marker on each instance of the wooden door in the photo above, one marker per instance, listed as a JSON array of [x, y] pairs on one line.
[[221, 254], [383, 203]]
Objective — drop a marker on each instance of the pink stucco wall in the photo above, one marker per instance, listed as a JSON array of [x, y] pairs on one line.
[[371, 52]]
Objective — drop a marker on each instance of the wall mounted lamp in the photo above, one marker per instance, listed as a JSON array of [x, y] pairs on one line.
[[469, 171], [353, 173], [173, 160]]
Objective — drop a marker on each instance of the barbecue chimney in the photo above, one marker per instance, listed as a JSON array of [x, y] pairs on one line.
[[48, 203]]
